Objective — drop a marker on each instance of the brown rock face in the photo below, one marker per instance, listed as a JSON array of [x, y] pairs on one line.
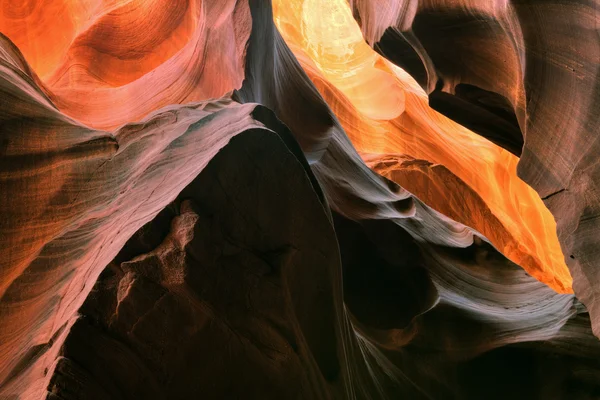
[[236, 301], [244, 200], [525, 75]]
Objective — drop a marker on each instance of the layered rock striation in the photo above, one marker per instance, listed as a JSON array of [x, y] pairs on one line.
[[242, 199]]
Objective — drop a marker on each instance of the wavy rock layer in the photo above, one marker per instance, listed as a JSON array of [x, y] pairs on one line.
[[238, 288], [362, 196], [87, 192], [340, 240], [384, 112], [532, 64], [140, 55]]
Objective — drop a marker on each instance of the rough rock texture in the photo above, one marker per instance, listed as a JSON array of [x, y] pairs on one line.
[[321, 232]]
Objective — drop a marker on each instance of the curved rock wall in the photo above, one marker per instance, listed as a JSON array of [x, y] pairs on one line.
[[239, 199]]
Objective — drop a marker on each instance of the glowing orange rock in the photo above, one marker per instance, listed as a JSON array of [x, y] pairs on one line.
[[144, 55], [110, 62], [384, 111]]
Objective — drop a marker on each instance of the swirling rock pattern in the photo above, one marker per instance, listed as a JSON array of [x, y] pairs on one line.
[[383, 111], [533, 63], [140, 55], [239, 199]]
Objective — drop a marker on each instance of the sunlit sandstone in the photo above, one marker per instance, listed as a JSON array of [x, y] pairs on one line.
[[384, 111]]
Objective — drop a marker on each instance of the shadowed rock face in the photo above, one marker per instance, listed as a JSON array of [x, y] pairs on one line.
[[384, 112], [510, 67], [241, 199], [238, 300]]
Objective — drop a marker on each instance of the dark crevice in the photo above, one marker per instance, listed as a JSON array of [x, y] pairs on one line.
[[486, 113], [553, 194]]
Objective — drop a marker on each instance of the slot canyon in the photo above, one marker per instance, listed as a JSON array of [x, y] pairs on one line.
[[299, 199]]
